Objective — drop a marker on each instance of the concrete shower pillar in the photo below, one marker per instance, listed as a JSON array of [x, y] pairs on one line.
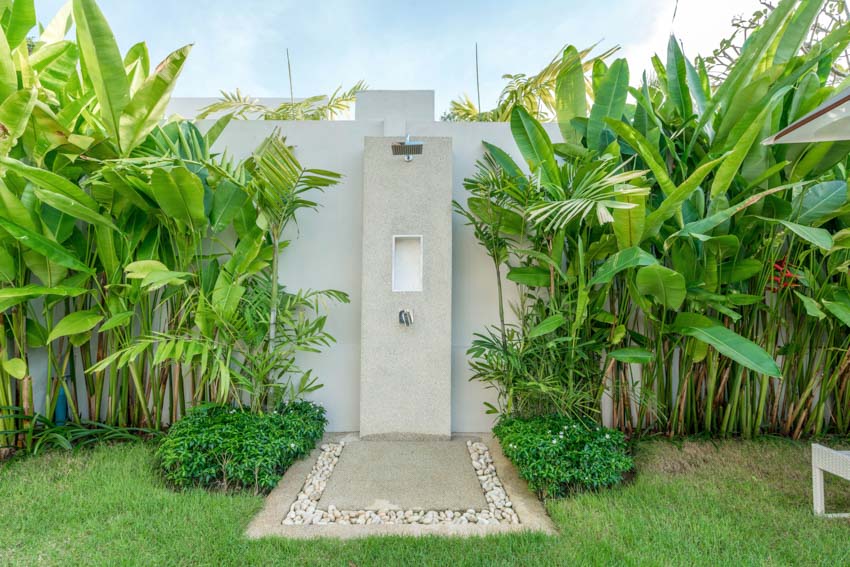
[[405, 371]]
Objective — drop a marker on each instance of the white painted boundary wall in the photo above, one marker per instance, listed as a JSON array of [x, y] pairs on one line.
[[326, 249]]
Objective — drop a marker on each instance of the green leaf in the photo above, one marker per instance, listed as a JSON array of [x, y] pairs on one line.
[[729, 168], [509, 222], [44, 246], [118, 320], [629, 223], [15, 367], [59, 26], [811, 306], [839, 310], [677, 80], [610, 103], [703, 226], [547, 325], [216, 130], [632, 355], [629, 258], [818, 236], [534, 145], [504, 160], [740, 270], [148, 105], [75, 323], [532, 276], [570, 95], [735, 347], [32, 290], [228, 199], [103, 63], [69, 206], [647, 151], [672, 203], [21, 21], [180, 194], [49, 180], [141, 269], [8, 73], [820, 202], [665, 286], [14, 115]]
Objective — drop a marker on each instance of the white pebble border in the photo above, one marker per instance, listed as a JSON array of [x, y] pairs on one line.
[[305, 510]]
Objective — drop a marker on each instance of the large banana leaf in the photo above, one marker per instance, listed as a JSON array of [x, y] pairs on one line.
[[629, 223], [633, 257], [14, 116], [672, 203], [20, 21], [59, 26], [571, 95], [665, 286], [103, 63], [733, 346], [45, 247], [50, 181], [180, 195], [228, 199], [534, 145], [819, 203], [149, 102], [8, 73], [609, 105], [677, 79]]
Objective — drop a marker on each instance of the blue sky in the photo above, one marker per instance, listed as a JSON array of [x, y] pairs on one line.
[[398, 45]]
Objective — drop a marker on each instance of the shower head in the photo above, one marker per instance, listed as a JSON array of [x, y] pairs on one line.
[[407, 148]]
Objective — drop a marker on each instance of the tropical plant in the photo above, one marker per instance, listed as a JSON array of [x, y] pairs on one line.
[[537, 93], [318, 107], [113, 254], [558, 455], [721, 284], [831, 15], [225, 448]]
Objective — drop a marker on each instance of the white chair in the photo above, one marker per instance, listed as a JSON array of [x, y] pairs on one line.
[[828, 460]]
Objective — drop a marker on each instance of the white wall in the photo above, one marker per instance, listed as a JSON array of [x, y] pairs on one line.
[[326, 252]]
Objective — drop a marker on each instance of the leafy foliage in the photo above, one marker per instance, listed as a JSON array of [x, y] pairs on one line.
[[129, 248], [227, 448], [709, 292], [556, 454], [319, 107]]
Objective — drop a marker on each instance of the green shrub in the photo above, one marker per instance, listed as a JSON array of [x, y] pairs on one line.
[[556, 454], [227, 448]]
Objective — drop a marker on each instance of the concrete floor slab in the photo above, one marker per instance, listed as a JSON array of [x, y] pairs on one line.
[[392, 475], [269, 522]]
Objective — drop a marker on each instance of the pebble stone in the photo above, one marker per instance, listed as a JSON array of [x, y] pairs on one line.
[[305, 509]]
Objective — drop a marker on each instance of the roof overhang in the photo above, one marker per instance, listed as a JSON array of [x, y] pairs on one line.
[[830, 122]]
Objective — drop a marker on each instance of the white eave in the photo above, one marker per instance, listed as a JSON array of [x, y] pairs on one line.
[[830, 122]]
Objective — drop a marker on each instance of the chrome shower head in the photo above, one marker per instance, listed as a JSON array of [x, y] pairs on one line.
[[407, 148]]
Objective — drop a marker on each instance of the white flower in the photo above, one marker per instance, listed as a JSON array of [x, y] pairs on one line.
[[554, 441], [607, 436]]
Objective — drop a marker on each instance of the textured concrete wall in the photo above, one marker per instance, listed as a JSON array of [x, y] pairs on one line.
[[405, 371]]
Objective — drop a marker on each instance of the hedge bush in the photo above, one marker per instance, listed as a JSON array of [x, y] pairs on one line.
[[557, 454], [227, 448]]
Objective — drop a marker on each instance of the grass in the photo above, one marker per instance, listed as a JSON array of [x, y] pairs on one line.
[[695, 504]]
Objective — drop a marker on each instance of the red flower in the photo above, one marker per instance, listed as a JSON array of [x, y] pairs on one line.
[[784, 277]]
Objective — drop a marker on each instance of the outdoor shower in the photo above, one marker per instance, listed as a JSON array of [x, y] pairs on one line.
[[407, 148]]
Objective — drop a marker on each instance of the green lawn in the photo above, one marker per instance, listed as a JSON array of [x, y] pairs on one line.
[[698, 504]]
